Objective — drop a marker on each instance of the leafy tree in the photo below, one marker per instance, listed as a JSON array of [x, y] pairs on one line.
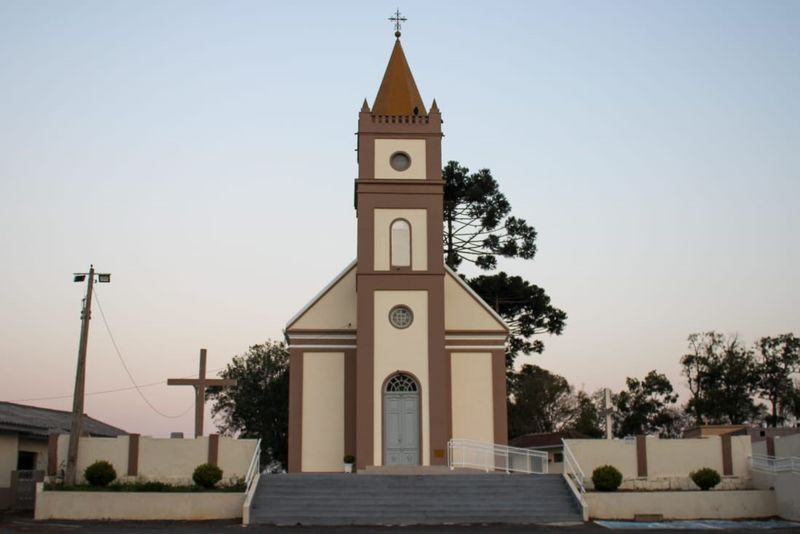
[[778, 361], [723, 378], [588, 418], [478, 221], [524, 306], [540, 401], [258, 405], [479, 228], [646, 407]]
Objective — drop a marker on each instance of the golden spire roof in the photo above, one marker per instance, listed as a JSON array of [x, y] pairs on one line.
[[398, 94]]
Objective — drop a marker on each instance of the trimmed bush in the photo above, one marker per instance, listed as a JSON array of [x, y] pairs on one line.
[[606, 478], [100, 474], [207, 475], [706, 478]]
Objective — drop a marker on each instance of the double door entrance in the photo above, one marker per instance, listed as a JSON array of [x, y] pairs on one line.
[[401, 421]]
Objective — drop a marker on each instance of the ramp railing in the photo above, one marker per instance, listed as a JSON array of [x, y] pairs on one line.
[[575, 478], [493, 457], [251, 482], [773, 464]]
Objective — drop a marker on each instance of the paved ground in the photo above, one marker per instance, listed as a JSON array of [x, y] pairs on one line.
[[15, 523]]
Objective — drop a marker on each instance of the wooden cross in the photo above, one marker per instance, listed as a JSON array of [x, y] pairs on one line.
[[200, 384]]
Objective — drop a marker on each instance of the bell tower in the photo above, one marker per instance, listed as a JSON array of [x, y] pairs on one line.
[[396, 355], [400, 269]]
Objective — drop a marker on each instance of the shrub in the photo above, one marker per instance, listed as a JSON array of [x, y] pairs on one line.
[[349, 459], [100, 474], [706, 478], [606, 478], [207, 475]]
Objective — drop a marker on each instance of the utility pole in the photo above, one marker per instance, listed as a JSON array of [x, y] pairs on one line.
[[80, 376], [608, 410]]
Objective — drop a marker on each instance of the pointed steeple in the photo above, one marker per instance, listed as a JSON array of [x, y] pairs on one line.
[[398, 94]]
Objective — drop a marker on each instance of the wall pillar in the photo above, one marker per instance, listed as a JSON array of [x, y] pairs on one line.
[[295, 410], [641, 456], [133, 455], [52, 454], [770, 446], [500, 397], [350, 402], [213, 449]]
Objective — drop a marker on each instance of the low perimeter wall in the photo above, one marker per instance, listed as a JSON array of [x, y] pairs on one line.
[[682, 504], [167, 460], [136, 506], [786, 487], [649, 463]]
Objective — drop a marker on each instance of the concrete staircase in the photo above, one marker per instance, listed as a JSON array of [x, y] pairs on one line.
[[431, 499]]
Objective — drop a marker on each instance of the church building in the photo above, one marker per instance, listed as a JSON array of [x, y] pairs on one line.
[[397, 355]]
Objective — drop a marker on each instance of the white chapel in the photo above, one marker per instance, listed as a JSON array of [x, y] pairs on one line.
[[397, 355]]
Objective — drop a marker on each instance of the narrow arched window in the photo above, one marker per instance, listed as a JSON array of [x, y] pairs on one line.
[[401, 243]]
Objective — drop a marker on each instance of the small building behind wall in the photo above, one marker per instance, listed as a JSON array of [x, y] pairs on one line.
[[24, 435]]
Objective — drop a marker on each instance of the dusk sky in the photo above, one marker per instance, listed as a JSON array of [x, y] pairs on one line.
[[203, 153]]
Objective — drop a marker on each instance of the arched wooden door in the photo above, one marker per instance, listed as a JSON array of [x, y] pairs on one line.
[[401, 421]]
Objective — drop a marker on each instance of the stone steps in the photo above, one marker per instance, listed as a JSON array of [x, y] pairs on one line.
[[392, 499]]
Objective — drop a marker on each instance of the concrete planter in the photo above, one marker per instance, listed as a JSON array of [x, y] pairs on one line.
[[136, 506], [737, 504]]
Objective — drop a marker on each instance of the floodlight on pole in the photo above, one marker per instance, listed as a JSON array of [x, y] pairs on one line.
[[80, 375]]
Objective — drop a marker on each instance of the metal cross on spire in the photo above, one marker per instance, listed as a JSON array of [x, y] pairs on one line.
[[397, 18]]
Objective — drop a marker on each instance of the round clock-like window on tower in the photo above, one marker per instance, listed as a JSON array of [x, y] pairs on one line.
[[401, 316], [400, 161]]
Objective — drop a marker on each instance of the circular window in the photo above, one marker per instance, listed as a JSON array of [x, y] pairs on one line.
[[401, 317], [400, 161]]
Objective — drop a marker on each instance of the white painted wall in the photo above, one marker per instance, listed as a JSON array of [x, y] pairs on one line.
[[336, 309], [415, 148], [682, 504], [90, 450], [787, 446], [787, 495], [323, 411], [166, 460], [401, 350], [93, 505], [463, 312], [592, 453], [472, 403], [669, 461]]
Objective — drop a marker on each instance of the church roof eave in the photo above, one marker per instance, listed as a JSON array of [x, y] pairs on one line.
[[478, 298], [321, 294]]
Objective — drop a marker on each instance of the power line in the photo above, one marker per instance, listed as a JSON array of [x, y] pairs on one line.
[[128, 372], [90, 393]]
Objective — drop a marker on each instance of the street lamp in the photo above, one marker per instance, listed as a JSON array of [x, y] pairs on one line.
[[80, 375]]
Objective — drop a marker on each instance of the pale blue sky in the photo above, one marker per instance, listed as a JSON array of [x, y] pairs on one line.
[[202, 152]]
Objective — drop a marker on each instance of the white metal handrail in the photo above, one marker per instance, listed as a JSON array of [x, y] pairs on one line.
[[572, 469], [254, 468], [251, 482], [493, 457], [773, 464], [576, 480]]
